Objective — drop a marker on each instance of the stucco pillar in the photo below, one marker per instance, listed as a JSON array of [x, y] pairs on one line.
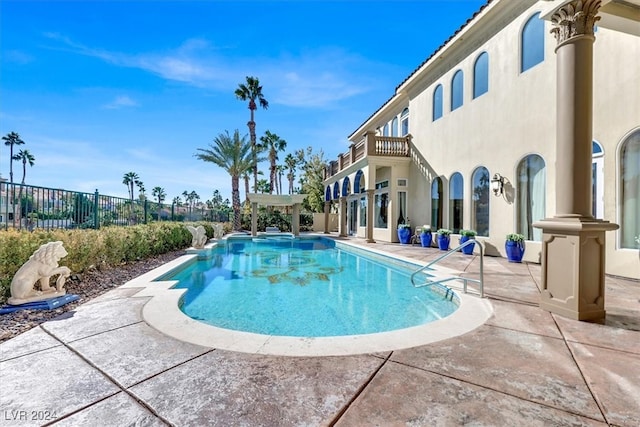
[[295, 219], [254, 219], [327, 211], [573, 242], [370, 220], [342, 217]]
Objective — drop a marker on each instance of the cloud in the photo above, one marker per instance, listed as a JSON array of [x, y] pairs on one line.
[[316, 78], [121, 102]]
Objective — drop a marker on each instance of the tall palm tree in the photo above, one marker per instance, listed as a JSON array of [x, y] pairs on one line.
[[234, 155], [272, 144], [25, 157], [292, 162], [280, 170], [10, 140], [252, 91], [160, 195], [245, 176], [130, 179]]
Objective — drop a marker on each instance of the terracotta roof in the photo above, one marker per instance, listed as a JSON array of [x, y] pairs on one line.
[[424, 62]]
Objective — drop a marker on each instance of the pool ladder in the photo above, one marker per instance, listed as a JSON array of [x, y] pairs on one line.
[[464, 279]]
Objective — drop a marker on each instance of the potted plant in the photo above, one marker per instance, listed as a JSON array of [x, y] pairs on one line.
[[404, 233], [466, 235], [444, 236], [514, 246], [426, 237]]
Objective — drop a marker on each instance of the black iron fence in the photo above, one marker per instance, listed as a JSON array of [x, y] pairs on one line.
[[30, 207]]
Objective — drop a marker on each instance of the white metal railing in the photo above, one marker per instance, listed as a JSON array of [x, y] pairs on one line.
[[464, 279]]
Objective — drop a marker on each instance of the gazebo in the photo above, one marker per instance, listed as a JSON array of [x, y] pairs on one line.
[[276, 200]]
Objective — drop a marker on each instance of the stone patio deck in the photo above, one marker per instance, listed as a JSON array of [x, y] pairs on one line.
[[103, 365]]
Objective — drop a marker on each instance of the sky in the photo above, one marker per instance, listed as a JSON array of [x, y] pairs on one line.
[[97, 89]]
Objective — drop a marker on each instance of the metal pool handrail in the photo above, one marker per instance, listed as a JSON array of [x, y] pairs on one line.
[[464, 279]]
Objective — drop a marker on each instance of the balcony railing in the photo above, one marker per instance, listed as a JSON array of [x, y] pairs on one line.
[[370, 145]]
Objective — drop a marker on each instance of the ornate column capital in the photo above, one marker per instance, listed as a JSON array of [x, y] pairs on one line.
[[576, 18]]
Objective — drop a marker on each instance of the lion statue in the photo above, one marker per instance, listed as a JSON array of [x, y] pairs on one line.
[[199, 236], [39, 268]]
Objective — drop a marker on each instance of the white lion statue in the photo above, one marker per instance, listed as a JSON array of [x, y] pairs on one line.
[[218, 231], [199, 236], [39, 268]]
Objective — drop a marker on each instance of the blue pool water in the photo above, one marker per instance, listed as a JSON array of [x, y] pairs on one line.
[[305, 288]]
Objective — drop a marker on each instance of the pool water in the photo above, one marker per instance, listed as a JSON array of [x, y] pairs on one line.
[[305, 288]]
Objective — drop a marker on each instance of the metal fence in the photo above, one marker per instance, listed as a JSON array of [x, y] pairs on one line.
[[30, 207]]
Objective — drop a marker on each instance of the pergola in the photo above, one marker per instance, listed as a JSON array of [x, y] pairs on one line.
[[276, 200]]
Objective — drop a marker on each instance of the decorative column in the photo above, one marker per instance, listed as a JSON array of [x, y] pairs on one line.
[[573, 242], [295, 219], [342, 217], [370, 205], [327, 210], [254, 219]]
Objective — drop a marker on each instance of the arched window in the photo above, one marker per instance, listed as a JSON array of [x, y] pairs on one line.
[[457, 90], [359, 187], [437, 103], [630, 185], [358, 182], [346, 186], [481, 75], [436, 203], [327, 194], [532, 43], [404, 122], [456, 192], [530, 196], [336, 190], [394, 127], [385, 130], [480, 201]]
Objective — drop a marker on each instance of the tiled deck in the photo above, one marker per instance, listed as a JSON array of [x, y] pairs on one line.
[[103, 365]]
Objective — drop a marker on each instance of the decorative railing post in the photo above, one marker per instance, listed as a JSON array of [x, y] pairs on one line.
[[96, 197]]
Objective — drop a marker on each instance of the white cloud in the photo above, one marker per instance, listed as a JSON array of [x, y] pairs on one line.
[[121, 102]]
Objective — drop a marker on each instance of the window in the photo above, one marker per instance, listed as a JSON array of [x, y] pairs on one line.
[[363, 211], [532, 43], [394, 127], [437, 103], [481, 75], [630, 185], [530, 196], [480, 201], [346, 186], [385, 130], [457, 90], [455, 202], [404, 122], [436, 203], [381, 202], [402, 204], [597, 181]]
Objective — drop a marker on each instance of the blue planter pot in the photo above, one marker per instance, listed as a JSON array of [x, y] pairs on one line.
[[404, 235], [426, 239], [515, 250], [467, 250], [443, 242]]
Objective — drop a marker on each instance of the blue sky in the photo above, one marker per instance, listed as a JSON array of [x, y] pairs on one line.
[[100, 88]]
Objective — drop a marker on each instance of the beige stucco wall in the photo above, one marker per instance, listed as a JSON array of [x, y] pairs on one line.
[[515, 118]]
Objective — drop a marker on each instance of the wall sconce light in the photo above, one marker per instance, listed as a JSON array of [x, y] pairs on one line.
[[497, 184]]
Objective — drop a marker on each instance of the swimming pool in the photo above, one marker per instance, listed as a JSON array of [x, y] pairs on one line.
[[310, 287], [162, 312]]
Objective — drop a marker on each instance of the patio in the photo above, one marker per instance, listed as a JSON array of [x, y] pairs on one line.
[[103, 365]]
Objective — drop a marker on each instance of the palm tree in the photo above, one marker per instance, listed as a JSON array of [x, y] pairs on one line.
[[280, 169], [245, 176], [160, 195], [25, 157], [292, 162], [272, 143], [234, 155], [10, 140], [130, 179], [252, 91]]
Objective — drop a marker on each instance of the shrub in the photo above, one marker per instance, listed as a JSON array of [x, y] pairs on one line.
[[468, 233], [444, 231], [89, 248], [515, 237]]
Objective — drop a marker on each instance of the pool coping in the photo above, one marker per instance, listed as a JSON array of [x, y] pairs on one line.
[[163, 314]]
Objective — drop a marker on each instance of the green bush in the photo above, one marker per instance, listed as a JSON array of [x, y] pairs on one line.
[[89, 248]]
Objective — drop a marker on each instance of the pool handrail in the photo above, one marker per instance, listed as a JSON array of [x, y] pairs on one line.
[[464, 279]]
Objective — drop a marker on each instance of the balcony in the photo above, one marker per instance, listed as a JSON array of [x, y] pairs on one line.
[[370, 145]]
